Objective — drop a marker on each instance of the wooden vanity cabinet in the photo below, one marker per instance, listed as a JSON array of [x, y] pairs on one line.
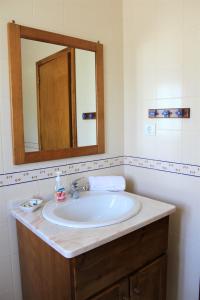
[[119, 291], [132, 267], [147, 284]]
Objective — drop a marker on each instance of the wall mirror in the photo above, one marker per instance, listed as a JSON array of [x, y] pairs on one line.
[[56, 95]]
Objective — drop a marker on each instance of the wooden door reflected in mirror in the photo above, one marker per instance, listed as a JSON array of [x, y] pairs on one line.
[[53, 90], [56, 95]]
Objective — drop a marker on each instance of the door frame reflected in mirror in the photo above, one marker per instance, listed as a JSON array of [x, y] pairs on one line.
[[15, 33]]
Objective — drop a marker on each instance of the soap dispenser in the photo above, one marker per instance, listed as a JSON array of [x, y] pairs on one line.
[[60, 192]]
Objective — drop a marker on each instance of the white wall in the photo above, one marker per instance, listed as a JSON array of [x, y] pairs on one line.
[[162, 69], [88, 19]]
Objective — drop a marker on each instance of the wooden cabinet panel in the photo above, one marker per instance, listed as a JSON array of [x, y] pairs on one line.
[[47, 275], [105, 265], [119, 291], [150, 282]]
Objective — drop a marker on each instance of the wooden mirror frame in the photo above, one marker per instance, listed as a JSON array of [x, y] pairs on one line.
[[15, 33]]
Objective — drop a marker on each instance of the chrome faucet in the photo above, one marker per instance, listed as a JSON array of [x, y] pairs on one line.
[[77, 186]]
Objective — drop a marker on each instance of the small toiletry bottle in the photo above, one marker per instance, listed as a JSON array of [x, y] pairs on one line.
[[60, 192]]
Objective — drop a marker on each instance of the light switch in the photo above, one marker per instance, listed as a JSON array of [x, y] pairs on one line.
[[150, 129]]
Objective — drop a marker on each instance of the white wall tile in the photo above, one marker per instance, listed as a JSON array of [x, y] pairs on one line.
[[6, 285], [191, 124], [12, 234], [168, 146], [190, 147], [191, 48], [4, 239], [16, 277], [3, 208], [15, 194], [189, 270], [47, 188], [184, 240], [169, 82], [177, 64], [8, 295]]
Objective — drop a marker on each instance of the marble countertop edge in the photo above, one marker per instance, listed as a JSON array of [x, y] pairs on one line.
[[153, 211], [41, 235]]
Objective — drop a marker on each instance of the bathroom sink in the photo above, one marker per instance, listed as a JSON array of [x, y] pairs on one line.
[[93, 209]]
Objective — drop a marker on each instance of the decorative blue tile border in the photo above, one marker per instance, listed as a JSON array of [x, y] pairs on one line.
[[164, 166], [99, 164], [68, 169]]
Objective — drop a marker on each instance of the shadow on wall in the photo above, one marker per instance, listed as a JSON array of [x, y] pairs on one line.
[[130, 185], [174, 260], [175, 270]]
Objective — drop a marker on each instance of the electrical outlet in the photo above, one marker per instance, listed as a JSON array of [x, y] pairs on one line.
[[150, 129]]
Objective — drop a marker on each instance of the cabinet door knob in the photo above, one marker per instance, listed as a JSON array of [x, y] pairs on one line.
[[136, 291]]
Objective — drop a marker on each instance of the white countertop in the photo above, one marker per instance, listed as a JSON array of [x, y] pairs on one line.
[[71, 242]]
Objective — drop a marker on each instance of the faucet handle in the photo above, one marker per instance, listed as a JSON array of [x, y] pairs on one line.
[[80, 184]]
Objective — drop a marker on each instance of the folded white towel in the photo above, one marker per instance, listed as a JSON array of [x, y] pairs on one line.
[[107, 183]]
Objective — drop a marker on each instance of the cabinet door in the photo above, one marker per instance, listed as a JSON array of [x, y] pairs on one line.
[[118, 291], [150, 282]]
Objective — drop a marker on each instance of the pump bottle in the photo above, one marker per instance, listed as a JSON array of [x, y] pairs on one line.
[[60, 193]]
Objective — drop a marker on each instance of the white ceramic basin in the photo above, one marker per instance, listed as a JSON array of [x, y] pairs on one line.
[[93, 209]]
